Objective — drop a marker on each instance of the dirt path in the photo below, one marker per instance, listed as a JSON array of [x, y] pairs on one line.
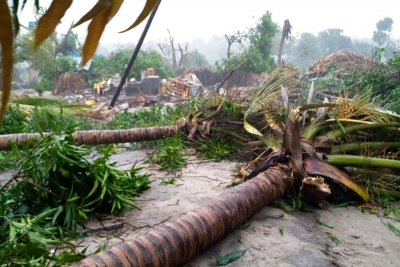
[[365, 238]]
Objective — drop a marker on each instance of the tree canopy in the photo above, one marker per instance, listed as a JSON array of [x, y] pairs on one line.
[[383, 29], [116, 62], [258, 54]]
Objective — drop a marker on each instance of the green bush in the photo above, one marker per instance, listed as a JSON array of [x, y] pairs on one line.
[[382, 79], [169, 156]]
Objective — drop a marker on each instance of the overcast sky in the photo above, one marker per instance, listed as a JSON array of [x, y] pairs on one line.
[[190, 19]]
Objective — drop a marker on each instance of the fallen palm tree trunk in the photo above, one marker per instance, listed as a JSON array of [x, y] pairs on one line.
[[175, 243], [96, 137]]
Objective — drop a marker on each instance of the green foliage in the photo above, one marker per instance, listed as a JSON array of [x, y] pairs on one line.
[[245, 226], [116, 62], [143, 117], [362, 48], [43, 60], [383, 79], [304, 49], [43, 85], [43, 119], [323, 223], [153, 116], [169, 156], [7, 160], [383, 29], [258, 54], [56, 189], [333, 40], [394, 229], [394, 104], [295, 199], [230, 257], [40, 102], [382, 36], [65, 64], [167, 182], [197, 60], [217, 148], [14, 121]]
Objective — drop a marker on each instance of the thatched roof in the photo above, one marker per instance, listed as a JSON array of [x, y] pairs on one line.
[[68, 82], [341, 63]]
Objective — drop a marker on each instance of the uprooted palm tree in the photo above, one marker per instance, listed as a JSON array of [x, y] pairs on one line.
[[303, 158]]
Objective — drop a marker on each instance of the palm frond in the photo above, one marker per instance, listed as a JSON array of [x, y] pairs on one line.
[[267, 101]]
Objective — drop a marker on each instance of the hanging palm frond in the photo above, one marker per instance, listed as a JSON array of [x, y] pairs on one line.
[[263, 109]]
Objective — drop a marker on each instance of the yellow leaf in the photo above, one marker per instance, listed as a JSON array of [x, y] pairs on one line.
[[6, 41], [321, 168], [251, 129], [96, 28], [99, 8], [150, 4], [49, 21]]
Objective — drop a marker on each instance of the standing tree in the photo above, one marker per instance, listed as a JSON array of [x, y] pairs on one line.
[[49, 60], [306, 50], [382, 36], [333, 40], [285, 35], [383, 29], [238, 37], [258, 54]]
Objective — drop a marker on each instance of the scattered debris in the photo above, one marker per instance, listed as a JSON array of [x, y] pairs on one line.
[[100, 111]]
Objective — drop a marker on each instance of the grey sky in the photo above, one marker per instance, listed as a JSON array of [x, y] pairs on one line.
[[190, 19]]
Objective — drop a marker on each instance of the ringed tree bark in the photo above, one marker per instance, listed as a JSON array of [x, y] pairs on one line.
[[96, 137], [175, 243]]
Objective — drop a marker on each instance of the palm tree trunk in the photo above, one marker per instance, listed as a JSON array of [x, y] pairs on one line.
[[96, 137], [175, 243], [285, 35], [279, 63]]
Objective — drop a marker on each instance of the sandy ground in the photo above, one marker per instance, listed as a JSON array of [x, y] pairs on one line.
[[365, 238]]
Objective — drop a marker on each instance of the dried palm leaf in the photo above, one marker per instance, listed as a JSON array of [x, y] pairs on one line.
[[267, 96]]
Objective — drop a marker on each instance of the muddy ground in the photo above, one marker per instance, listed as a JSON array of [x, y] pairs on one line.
[[365, 238]]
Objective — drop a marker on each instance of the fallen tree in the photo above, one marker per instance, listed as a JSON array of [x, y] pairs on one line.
[[97, 137], [298, 160], [175, 243]]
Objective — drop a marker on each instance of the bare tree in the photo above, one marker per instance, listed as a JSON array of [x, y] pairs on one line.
[[168, 51]]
